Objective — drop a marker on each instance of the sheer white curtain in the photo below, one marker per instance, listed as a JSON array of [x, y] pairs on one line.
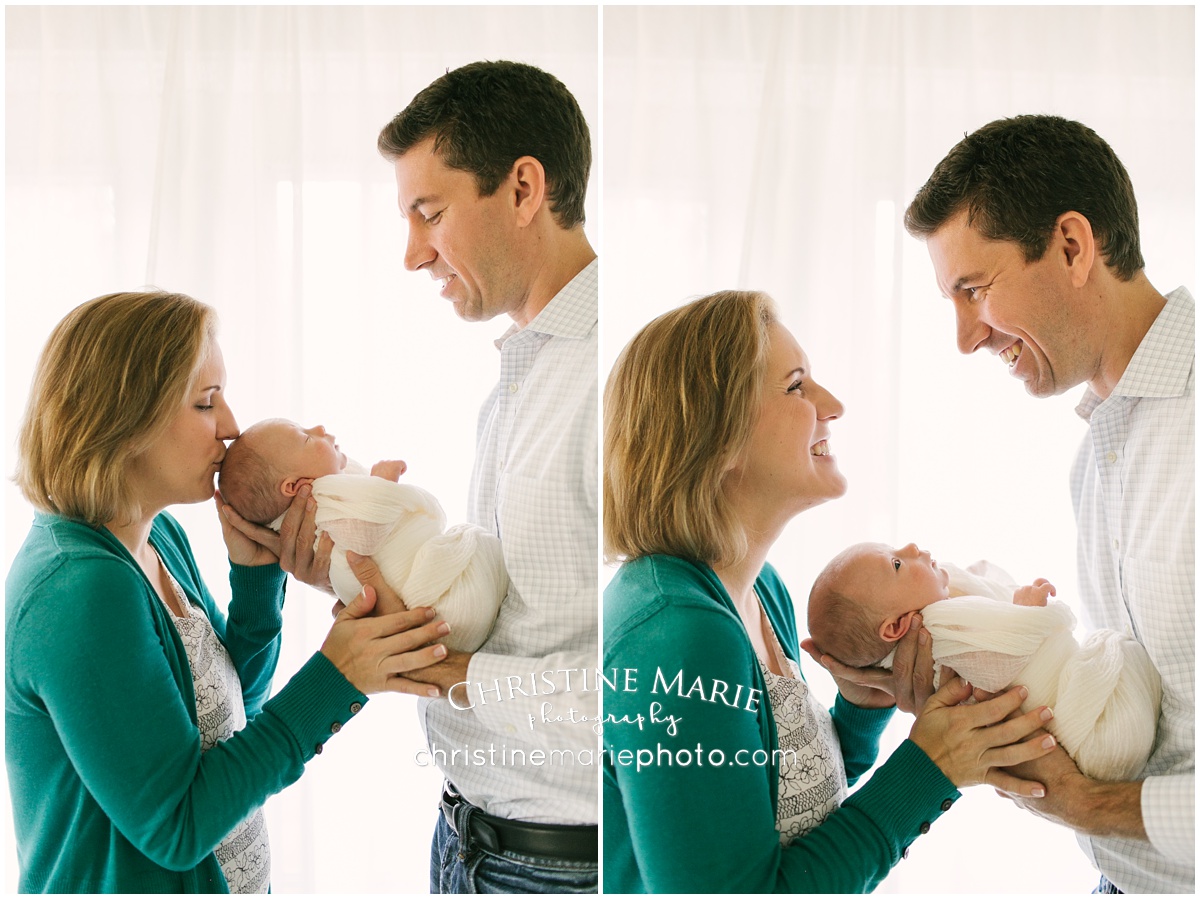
[[776, 148], [229, 153]]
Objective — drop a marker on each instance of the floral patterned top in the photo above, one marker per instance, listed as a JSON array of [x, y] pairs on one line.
[[245, 853], [812, 777]]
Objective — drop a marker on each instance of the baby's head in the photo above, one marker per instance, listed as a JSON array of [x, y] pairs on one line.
[[270, 462], [864, 600]]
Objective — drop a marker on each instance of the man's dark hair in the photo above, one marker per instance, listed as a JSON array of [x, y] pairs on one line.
[[1016, 176], [484, 116]]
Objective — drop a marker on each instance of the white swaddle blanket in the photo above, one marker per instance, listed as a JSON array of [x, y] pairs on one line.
[[459, 572], [1105, 694]]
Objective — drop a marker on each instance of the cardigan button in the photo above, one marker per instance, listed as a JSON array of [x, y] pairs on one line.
[[335, 727], [946, 803], [924, 828], [355, 708], [904, 851], [319, 748]]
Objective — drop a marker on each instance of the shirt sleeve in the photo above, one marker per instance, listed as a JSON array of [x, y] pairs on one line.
[[1169, 815], [92, 655], [697, 802]]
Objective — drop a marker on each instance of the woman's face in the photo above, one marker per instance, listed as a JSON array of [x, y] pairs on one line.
[[180, 465], [788, 465]]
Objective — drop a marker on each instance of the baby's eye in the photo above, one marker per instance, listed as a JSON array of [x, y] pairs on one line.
[[896, 564]]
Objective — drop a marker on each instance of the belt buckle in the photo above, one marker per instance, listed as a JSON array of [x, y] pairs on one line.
[[451, 799]]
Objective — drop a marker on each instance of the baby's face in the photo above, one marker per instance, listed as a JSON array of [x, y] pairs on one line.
[[897, 581], [300, 452]]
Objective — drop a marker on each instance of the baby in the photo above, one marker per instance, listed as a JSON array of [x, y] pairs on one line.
[[459, 572], [1105, 693]]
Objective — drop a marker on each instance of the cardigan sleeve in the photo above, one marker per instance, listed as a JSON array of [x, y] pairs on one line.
[[698, 806], [92, 657], [858, 731]]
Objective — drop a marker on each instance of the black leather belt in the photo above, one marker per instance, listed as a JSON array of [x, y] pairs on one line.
[[566, 842]]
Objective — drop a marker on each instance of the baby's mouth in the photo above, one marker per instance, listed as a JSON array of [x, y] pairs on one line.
[[1011, 354]]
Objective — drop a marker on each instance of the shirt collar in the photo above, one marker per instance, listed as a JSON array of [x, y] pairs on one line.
[[571, 313], [1162, 364]]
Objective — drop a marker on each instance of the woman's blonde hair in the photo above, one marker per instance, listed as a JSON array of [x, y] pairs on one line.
[[679, 408], [110, 380]]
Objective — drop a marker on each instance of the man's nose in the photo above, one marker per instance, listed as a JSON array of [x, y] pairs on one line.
[[417, 252], [972, 332]]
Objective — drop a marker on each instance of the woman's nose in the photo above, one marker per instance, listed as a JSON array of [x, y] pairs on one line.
[[829, 406]]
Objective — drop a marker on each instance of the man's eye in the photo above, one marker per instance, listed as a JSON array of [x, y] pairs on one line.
[[433, 219]]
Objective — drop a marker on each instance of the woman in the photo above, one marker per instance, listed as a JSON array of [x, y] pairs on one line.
[[716, 435], [131, 764]]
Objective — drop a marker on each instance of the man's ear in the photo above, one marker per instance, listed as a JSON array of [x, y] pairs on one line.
[[292, 486], [1073, 238], [893, 629], [528, 182]]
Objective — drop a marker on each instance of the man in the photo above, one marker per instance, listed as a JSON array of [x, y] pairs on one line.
[[1031, 224], [491, 164]]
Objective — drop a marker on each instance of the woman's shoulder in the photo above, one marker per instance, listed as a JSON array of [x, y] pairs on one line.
[[665, 595]]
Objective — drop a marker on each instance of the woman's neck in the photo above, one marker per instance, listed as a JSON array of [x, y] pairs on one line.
[[739, 577], [133, 535]]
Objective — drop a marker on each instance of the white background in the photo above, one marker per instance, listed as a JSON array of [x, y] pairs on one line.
[[776, 148], [229, 153]]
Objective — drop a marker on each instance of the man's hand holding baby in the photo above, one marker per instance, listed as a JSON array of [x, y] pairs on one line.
[[907, 686]]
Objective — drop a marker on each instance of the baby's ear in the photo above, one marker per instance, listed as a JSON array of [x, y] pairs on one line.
[[893, 629], [292, 486]]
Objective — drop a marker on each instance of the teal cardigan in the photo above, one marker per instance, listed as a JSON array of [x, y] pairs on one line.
[[110, 792], [693, 819]]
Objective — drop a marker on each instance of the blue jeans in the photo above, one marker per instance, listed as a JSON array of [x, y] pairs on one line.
[[1105, 886], [459, 865]]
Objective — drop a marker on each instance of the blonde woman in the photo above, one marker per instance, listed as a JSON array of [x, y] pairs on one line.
[[721, 774], [139, 738]]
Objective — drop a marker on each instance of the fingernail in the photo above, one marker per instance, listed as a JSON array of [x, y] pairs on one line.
[[429, 613], [433, 691], [1037, 793], [923, 638], [305, 490], [1024, 692], [443, 628], [1047, 714], [352, 556], [439, 651], [1048, 742], [311, 504]]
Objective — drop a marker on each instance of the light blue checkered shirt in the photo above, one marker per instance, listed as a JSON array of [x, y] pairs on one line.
[[534, 486], [1134, 489]]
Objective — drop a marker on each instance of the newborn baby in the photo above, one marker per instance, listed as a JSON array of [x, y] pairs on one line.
[[1105, 693], [459, 572]]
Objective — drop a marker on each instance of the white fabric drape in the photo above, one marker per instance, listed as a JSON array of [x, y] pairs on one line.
[[776, 148], [229, 153]]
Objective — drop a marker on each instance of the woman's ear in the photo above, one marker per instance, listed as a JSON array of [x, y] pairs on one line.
[[893, 629], [292, 486]]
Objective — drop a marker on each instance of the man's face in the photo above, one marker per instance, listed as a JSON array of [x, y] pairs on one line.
[[1028, 314], [461, 239]]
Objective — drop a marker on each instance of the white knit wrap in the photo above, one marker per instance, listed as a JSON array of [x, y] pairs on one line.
[[1105, 694], [459, 572]]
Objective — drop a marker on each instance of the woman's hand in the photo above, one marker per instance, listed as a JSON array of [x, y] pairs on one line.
[[907, 686], [972, 744], [292, 547], [246, 545], [372, 652]]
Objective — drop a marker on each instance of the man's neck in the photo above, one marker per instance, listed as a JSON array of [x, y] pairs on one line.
[[566, 255], [1132, 306]]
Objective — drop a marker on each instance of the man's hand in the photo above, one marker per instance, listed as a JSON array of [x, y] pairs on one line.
[[1076, 801], [1037, 594], [907, 686], [389, 469]]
